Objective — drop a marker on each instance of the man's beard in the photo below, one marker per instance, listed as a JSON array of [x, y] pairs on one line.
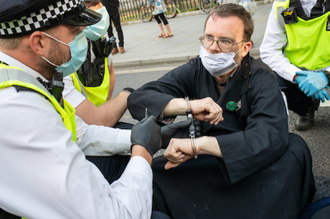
[[55, 55]]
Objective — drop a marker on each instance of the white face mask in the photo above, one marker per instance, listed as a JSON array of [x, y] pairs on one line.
[[218, 64]]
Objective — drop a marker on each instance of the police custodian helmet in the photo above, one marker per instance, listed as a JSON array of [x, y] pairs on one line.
[[22, 17]]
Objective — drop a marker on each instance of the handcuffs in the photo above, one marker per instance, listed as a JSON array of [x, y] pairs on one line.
[[194, 128]]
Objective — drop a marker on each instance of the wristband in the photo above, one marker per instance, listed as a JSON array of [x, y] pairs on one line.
[[188, 111]]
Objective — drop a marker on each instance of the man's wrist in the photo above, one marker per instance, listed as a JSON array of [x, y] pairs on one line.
[[327, 74], [294, 78], [138, 150]]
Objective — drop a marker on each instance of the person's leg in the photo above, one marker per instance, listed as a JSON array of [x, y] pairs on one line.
[[159, 215], [116, 21], [110, 9], [158, 201], [112, 167], [299, 103], [317, 209], [162, 33], [167, 26], [5, 215], [123, 125], [322, 214], [110, 34], [198, 188]]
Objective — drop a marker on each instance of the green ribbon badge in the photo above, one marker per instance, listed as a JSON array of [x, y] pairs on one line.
[[231, 106]]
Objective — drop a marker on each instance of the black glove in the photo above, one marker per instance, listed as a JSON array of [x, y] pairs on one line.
[[147, 134], [174, 130]]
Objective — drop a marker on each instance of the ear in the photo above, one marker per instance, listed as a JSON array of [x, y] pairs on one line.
[[246, 48], [39, 43]]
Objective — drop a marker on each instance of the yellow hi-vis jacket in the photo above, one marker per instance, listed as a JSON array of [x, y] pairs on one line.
[[308, 40], [10, 76], [97, 95]]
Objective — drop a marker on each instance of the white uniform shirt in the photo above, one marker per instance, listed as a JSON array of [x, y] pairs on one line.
[[273, 41], [44, 174]]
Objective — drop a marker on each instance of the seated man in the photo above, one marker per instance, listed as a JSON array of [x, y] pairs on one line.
[[247, 164]]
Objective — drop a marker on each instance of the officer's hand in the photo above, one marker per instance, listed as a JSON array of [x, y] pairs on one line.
[[314, 82], [321, 95], [300, 79], [147, 134], [174, 130]]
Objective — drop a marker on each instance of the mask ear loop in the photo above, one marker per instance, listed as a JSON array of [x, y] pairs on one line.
[[235, 55], [238, 50], [54, 38], [49, 62]]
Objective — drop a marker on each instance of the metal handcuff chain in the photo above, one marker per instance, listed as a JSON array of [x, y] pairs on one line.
[[194, 128]]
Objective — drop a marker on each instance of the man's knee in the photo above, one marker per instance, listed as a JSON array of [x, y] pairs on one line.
[[297, 143]]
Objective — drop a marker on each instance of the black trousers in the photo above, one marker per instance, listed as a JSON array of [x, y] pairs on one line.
[[161, 16], [298, 102], [198, 189], [112, 8]]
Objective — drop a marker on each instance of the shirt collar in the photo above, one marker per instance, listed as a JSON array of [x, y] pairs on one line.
[[13, 62]]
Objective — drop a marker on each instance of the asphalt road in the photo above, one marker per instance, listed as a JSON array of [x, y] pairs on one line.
[[317, 137]]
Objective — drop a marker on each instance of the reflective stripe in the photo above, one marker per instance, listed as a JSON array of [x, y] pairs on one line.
[[280, 5], [10, 76], [77, 84]]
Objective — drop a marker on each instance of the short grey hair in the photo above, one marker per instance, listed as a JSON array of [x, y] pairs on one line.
[[11, 43]]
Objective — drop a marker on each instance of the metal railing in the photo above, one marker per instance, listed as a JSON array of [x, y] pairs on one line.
[[129, 9]]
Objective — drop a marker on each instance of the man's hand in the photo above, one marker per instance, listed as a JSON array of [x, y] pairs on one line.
[[173, 130], [314, 82], [206, 110], [147, 134], [178, 151]]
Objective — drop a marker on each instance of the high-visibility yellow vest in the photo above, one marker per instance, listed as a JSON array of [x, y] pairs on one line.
[[10, 76], [97, 95], [308, 40]]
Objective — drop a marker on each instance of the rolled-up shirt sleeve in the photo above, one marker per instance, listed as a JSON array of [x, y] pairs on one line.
[[96, 140]]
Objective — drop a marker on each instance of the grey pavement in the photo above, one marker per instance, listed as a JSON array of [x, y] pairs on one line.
[[143, 47]]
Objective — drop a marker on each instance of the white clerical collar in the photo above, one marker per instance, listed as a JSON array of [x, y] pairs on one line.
[[13, 62]]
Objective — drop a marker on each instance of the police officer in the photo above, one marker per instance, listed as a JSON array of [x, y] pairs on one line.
[[89, 90], [44, 174], [294, 46]]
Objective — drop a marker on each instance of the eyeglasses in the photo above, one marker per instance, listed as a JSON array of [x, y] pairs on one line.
[[224, 44]]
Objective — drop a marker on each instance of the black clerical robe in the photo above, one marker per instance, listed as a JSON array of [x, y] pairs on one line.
[[264, 172]]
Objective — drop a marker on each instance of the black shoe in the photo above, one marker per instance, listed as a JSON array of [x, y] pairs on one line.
[[306, 122]]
